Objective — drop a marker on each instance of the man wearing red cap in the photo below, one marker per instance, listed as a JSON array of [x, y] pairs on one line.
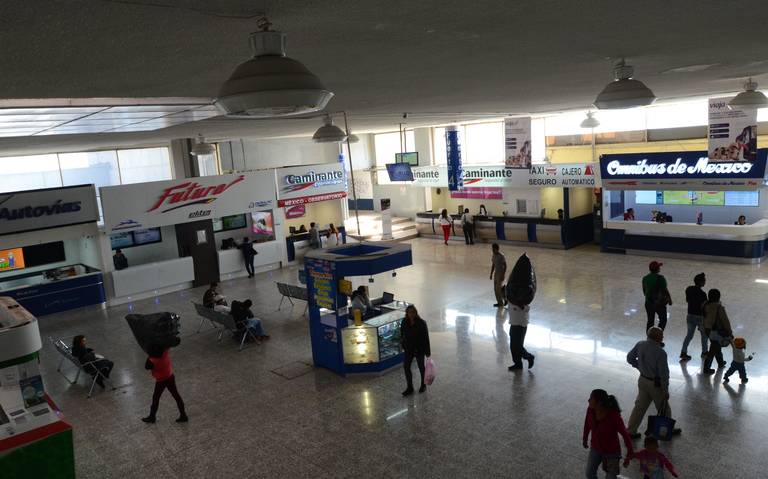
[[656, 296]]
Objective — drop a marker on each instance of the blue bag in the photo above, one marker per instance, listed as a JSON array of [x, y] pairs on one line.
[[661, 427]]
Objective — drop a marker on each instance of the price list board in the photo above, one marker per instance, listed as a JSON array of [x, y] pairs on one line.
[[323, 286]]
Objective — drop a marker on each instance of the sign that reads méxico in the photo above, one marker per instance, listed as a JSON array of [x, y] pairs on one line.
[[680, 165], [310, 184]]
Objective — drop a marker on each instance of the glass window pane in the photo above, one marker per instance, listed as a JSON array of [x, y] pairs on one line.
[[207, 165], [386, 145], [485, 144], [96, 167], [441, 153], [144, 164], [18, 173]]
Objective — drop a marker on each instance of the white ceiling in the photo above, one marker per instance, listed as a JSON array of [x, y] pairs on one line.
[[380, 58]]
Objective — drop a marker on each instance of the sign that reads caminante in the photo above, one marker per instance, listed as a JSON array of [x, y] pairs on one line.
[[47, 208], [308, 184], [500, 176]]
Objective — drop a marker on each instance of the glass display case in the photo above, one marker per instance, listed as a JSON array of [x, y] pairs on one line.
[[374, 341]]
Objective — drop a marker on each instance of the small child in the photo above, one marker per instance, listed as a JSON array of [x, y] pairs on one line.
[[652, 462], [739, 347]]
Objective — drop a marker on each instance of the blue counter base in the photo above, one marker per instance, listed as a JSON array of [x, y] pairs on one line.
[[54, 297]]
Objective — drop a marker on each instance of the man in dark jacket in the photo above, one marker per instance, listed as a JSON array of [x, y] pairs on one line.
[[119, 260], [248, 254], [415, 337]]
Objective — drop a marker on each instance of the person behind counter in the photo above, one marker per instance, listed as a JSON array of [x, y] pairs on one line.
[[445, 224], [97, 362], [483, 211], [333, 235], [314, 236], [741, 221], [468, 225], [119, 260], [361, 302], [415, 337], [629, 215]]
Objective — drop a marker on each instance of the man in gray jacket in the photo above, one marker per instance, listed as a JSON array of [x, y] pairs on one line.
[[650, 359]]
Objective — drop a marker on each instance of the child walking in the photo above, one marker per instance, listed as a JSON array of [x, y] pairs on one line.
[[739, 358], [652, 462]]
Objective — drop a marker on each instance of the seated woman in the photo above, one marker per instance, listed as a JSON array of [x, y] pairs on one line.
[[212, 299], [87, 355], [741, 221], [361, 302], [241, 313]]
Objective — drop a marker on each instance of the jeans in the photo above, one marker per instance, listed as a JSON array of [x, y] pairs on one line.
[[737, 367], [407, 361], [517, 345], [653, 309], [469, 232], [255, 326], [249, 265], [647, 392], [498, 282], [694, 322], [715, 352], [595, 460], [161, 386], [104, 366]]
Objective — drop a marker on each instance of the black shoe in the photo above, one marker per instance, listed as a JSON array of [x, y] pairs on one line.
[[634, 435], [725, 380], [684, 357], [722, 365], [515, 367], [408, 392], [708, 371], [530, 361], [677, 431], [182, 418], [423, 388], [149, 419], [744, 381]]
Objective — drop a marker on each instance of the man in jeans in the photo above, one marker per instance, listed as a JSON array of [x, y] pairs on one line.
[[657, 296], [650, 359], [695, 297], [498, 270]]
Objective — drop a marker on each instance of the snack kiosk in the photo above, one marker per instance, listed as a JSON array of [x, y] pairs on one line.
[[338, 343]]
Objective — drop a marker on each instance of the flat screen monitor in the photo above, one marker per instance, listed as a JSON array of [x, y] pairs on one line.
[[742, 198], [121, 240], [387, 298], [227, 223], [646, 198], [263, 225], [399, 172], [677, 198], [45, 253], [11, 259], [147, 236], [412, 158], [708, 198]]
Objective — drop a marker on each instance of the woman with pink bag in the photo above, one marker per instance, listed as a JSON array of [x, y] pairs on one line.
[[415, 338]]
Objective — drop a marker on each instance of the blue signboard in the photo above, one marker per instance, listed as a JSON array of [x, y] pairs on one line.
[[453, 151], [399, 172], [679, 165]]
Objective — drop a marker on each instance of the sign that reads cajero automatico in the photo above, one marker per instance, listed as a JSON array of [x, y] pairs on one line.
[[47, 208], [309, 184]]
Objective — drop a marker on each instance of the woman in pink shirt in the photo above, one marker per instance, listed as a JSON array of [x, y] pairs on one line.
[[162, 371], [605, 424]]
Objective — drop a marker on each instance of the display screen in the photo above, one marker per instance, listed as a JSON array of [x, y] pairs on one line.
[[411, 158], [677, 197], [698, 198], [708, 198], [226, 223], [399, 172], [45, 253], [121, 240], [151, 235], [742, 198], [11, 259], [647, 198], [263, 225]]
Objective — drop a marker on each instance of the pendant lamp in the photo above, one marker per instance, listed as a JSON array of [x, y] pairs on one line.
[[623, 91], [329, 133], [202, 148], [352, 138], [590, 121], [750, 97], [271, 84]]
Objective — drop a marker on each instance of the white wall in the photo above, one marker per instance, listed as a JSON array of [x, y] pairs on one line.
[[406, 200]]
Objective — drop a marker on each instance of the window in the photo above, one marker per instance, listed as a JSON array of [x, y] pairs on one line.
[[481, 144], [441, 154], [207, 165], [18, 173], [144, 164], [386, 145], [97, 167]]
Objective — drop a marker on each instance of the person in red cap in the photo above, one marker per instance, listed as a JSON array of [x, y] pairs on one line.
[[657, 296]]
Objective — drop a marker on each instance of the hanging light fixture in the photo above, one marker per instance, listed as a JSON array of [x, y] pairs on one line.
[[623, 91], [202, 148], [590, 121], [271, 84], [329, 133], [352, 138], [750, 97]]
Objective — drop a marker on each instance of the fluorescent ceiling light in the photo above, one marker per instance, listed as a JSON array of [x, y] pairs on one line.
[[623, 91], [750, 97], [329, 133]]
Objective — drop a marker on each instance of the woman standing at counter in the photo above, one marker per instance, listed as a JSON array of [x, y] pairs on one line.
[[415, 338], [445, 223]]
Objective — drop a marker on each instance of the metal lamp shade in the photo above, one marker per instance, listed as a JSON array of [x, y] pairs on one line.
[[624, 93]]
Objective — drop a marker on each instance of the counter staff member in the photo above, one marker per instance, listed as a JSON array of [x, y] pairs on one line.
[[656, 296], [629, 215], [741, 221], [119, 260]]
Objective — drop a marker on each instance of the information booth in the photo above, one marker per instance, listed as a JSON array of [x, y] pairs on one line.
[[337, 343]]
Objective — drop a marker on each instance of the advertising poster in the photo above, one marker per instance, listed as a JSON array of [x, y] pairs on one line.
[[323, 287], [732, 132], [309, 184], [11, 259], [453, 152], [297, 211], [481, 193], [517, 142], [263, 225]]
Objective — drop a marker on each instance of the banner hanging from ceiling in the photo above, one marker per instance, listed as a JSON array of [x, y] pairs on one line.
[[517, 142], [309, 184], [453, 150], [732, 132]]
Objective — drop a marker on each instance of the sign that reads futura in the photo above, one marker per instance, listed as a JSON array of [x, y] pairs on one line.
[[680, 165], [308, 184]]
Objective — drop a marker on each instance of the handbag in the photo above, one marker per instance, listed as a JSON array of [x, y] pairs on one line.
[[661, 427], [430, 372]]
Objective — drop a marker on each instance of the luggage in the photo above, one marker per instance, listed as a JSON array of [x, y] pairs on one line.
[[155, 332], [521, 284]]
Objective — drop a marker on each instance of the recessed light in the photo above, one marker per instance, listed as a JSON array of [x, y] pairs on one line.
[[690, 68]]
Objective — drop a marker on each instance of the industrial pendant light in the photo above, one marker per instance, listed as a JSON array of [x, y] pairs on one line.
[[750, 97], [329, 133], [623, 91], [270, 84], [590, 121], [352, 138], [202, 148]]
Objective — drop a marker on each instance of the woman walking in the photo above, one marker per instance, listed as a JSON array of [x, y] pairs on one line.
[[445, 224], [717, 328], [605, 424], [415, 338], [162, 371]]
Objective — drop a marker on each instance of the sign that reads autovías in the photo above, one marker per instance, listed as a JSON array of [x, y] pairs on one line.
[[309, 184], [160, 203], [47, 208]]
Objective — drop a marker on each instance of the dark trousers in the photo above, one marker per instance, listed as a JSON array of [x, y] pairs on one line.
[[104, 366], [737, 367], [715, 352], [249, 265], [652, 310], [407, 361], [469, 233], [161, 386], [517, 344]]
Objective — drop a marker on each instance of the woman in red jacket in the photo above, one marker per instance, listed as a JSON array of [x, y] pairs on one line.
[[162, 371], [605, 424]]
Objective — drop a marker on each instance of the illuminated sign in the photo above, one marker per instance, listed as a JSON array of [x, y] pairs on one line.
[[11, 259]]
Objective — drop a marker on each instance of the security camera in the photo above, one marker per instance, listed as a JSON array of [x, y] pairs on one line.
[[394, 274]]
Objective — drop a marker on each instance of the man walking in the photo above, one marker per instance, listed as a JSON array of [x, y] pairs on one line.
[[650, 359], [657, 296], [518, 326], [248, 254], [468, 225], [498, 270], [695, 297]]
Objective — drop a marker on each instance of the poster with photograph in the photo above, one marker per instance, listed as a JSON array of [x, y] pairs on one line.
[[263, 225], [517, 142], [732, 132]]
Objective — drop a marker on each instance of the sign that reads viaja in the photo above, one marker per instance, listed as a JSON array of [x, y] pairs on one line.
[[309, 184]]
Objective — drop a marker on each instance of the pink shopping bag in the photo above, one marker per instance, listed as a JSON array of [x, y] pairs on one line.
[[431, 372]]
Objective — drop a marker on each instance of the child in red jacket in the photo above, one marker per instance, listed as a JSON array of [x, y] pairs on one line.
[[652, 462], [162, 371]]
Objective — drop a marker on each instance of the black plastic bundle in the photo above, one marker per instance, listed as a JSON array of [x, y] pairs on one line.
[[155, 332], [521, 284]]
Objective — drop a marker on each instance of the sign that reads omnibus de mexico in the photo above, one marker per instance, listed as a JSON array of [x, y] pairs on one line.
[[681, 169], [161, 203], [309, 184], [537, 176]]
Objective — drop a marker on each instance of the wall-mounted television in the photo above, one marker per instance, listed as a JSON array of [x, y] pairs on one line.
[[227, 223], [45, 253], [129, 239], [412, 158], [399, 172], [263, 226], [11, 259]]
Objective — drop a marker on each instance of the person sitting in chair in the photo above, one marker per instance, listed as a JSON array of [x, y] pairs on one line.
[[361, 302], [213, 300], [241, 313], [86, 355]]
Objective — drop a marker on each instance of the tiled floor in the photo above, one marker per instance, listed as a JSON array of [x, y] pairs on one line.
[[478, 420]]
